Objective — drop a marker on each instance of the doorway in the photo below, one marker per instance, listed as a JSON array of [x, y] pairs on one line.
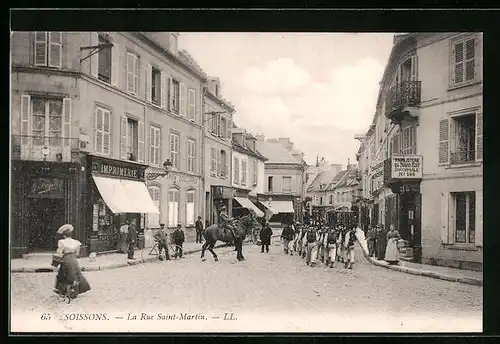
[[46, 216]]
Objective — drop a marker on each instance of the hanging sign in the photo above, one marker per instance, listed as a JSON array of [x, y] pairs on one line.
[[406, 167]]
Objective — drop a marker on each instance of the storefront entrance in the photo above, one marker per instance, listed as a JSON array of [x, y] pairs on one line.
[[45, 217]]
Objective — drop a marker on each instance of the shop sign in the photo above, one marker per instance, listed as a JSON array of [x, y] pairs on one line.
[[47, 187], [183, 180], [406, 167], [377, 176], [107, 169]]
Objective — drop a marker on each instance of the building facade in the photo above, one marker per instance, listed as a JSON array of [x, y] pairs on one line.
[[426, 172], [218, 114], [320, 199], [93, 112]]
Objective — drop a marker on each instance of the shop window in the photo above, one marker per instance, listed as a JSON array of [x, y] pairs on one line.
[[104, 58], [48, 49], [153, 220], [465, 217], [287, 184], [190, 215], [173, 207], [191, 155]]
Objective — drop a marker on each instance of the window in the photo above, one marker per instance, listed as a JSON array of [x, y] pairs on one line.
[[192, 105], [223, 164], [48, 49], [156, 86], [464, 61], [154, 146], [243, 172], [191, 155], [236, 177], [215, 120], [331, 199], [104, 58], [255, 172], [175, 96], [173, 207], [47, 121], [102, 131], [287, 184], [270, 184], [465, 217], [153, 220], [174, 150], [213, 161], [223, 128], [132, 139], [463, 146], [190, 208], [132, 73], [321, 200]]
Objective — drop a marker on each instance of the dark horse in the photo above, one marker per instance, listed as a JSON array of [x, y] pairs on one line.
[[213, 233]]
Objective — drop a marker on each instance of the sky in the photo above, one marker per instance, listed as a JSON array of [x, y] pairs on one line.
[[319, 89]]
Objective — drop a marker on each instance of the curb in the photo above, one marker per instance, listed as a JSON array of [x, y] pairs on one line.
[[435, 275]]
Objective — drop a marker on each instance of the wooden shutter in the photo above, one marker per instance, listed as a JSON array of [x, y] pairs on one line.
[[25, 116], [66, 127], [170, 94], [115, 64], [192, 105], [55, 49], [40, 48], [470, 72], [227, 170], [163, 90], [130, 72], [445, 218], [479, 218], [98, 130], [148, 80], [414, 68], [140, 142], [444, 141], [183, 100], [219, 163], [94, 59], [123, 137], [479, 137]]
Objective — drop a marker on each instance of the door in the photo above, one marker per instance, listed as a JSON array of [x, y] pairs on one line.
[[46, 216]]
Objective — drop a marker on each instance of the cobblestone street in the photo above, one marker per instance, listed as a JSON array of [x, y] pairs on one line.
[[267, 292]]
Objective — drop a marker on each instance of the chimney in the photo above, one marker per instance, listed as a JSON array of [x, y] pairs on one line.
[[250, 141], [285, 142], [260, 137], [214, 86]]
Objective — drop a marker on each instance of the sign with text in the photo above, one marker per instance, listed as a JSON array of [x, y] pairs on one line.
[[406, 167], [377, 177], [112, 170], [47, 187]]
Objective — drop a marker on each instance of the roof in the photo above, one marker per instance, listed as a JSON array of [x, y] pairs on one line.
[[325, 177], [190, 61], [349, 178], [276, 153], [244, 150], [336, 180]]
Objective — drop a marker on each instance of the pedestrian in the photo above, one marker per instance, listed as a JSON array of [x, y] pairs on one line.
[[131, 239], [199, 230], [265, 237], [123, 246], [349, 240], [161, 237], [70, 280], [311, 244], [380, 240], [370, 240], [178, 241], [391, 251], [340, 244], [287, 236], [331, 247]]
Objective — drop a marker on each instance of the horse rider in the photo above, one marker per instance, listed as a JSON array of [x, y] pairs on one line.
[[225, 222]]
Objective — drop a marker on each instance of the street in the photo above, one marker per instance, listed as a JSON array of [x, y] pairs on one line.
[[267, 292]]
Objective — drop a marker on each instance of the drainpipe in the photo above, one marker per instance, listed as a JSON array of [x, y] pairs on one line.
[[203, 153]]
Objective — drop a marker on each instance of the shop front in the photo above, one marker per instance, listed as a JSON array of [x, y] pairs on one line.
[[278, 208], [219, 195], [116, 193], [242, 204]]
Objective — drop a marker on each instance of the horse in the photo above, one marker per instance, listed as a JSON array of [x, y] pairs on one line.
[[242, 227]]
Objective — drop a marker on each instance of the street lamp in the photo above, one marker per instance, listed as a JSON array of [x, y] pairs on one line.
[[167, 167]]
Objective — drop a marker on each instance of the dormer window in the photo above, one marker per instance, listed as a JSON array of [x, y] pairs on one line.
[[217, 90]]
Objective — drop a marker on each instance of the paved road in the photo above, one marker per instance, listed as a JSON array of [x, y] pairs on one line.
[[267, 292]]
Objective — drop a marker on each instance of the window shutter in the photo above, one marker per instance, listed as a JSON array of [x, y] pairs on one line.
[[148, 80], [40, 48], [163, 90], [66, 128], [94, 59], [477, 58], [25, 115], [445, 218], [170, 94], [414, 68], [479, 218], [227, 173], [219, 163], [444, 141], [115, 64], [192, 105], [55, 49], [140, 142], [123, 137], [130, 72], [479, 137], [183, 100]]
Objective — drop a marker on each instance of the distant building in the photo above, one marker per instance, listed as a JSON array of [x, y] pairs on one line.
[[316, 192]]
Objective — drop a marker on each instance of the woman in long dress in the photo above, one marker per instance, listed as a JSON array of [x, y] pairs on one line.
[[392, 252], [70, 274]]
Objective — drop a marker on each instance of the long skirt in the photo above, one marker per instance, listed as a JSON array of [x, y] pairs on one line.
[[69, 273], [392, 252]]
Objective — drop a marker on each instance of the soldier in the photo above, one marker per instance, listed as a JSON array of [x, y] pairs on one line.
[[349, 241], [225, 221], [331, 247]]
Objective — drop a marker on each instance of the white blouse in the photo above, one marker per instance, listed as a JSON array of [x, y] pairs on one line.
[[68, 245]]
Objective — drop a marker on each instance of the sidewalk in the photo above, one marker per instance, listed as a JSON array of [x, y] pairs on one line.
[[42, 263]]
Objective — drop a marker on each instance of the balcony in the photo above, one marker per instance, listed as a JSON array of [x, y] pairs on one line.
[[43, 148], [402, 100], [464, 156]]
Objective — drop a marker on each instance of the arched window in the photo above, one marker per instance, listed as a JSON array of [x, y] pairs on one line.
[[153, 220], [190, 215], [173, 207]]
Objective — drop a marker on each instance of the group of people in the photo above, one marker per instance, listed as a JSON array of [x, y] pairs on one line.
[[383, 244], [162, 239]]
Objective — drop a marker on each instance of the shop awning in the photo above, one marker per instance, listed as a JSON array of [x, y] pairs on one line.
[[246, 203], [125, 196], [277, 207]]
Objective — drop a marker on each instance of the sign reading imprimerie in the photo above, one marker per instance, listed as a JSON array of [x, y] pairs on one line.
[[406, 167]]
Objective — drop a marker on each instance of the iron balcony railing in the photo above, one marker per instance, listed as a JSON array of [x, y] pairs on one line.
[[404, 94], [463, 156], [43, 148]]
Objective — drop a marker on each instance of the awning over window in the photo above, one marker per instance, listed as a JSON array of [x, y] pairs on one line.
[[277, 207], [246, 203], [125, 196]]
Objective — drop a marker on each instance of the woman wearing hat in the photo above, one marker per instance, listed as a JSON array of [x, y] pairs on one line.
[[70, 274]]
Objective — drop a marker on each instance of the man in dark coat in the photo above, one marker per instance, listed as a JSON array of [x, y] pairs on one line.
[[161, 237], [287, 236], [381, 241], [265, 237], [370, 240], [199, 230], [178, 237], [131, 239]]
